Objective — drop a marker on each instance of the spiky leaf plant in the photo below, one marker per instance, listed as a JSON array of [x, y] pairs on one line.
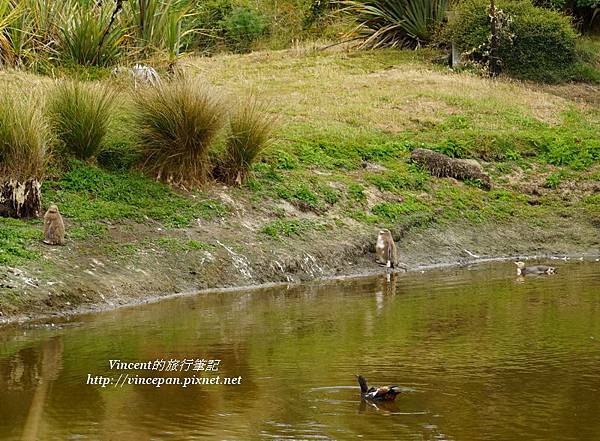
[[88, 38], [395, 23]]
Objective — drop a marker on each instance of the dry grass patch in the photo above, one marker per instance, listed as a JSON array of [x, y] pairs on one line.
[[334, 87], [24, 137]]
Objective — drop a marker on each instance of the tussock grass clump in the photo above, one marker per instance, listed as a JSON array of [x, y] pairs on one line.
[[178, 122], [24, 138], [250, 131], [80, 115]]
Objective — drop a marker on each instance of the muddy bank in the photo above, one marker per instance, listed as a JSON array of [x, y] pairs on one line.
[[79, 278]]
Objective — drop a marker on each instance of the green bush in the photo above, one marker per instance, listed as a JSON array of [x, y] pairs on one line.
[[535, 43], [585, 12], [208, 16], [317, 9], [178, 122], [242, 26], [80, 115]]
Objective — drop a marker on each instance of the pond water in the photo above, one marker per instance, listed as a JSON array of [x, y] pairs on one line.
[[478, 354]]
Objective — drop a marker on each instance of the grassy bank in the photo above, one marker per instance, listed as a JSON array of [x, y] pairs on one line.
[[338, 171]]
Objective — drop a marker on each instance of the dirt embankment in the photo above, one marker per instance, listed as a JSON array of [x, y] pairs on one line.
[[81, 277]]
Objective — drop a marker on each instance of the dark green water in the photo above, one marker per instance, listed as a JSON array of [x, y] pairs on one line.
[[479, 355]]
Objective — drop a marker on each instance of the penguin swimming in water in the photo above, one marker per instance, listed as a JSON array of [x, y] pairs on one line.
[[383, 393], [537, 269]]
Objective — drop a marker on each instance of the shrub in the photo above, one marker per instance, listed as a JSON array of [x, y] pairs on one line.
[[209, 14], [396, 23], [84, 38], [317, 10], [177, 122], [535, 43], [585, 12], [24, 138], [242, 26], [80, 114], [250, 129]]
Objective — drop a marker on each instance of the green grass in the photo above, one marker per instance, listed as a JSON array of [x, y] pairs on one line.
[[394, 212], [553, 180], [16, 237], [593, 201], [405, 177], [87, 230], [337, 151], [88, 193], [291, 227], [300, 194], [356, 193]]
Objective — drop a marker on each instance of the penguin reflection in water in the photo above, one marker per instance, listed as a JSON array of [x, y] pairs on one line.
[[389, 284]]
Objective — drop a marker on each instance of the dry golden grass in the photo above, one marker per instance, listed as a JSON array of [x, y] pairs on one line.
[[24, 137], [389, 90]]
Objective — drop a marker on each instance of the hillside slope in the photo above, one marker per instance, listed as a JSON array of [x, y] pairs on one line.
[[338, 171]]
